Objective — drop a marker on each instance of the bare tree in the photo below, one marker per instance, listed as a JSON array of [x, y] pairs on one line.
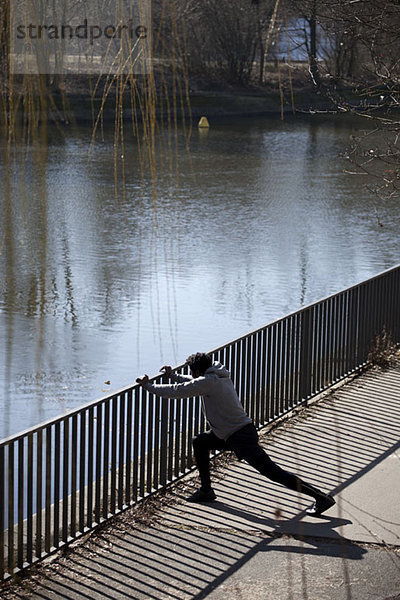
[[225, 37], [358, 70]]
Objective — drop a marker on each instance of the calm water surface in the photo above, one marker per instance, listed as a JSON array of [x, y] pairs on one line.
[[257, 220]]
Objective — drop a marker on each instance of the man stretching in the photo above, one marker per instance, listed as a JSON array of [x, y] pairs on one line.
[[230, 428]]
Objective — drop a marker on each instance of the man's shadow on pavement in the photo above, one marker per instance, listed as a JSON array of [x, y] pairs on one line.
[[326, 540]]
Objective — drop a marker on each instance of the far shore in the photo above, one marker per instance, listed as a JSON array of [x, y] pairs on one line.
[[81, 108]]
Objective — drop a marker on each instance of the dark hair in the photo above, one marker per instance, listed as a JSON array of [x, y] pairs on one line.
[[199, 362]]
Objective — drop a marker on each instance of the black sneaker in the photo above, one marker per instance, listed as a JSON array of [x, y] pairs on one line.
[[202, 496], [320, 505]]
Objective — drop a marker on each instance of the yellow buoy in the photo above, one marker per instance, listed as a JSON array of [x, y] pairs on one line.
[[203, 122]]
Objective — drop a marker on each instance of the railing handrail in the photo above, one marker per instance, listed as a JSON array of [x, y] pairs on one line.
[[93, 403]]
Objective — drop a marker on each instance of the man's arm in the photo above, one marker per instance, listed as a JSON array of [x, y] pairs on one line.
[[187, 389], [174, 376]]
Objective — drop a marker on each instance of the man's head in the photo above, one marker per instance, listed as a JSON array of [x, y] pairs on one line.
[[199, 363]]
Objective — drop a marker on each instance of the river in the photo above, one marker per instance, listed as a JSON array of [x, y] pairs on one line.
[[251, 219]]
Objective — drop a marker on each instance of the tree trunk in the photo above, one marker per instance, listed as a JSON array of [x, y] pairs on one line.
[[312, 21]]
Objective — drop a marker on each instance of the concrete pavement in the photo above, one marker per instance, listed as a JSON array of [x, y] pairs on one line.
[[255, 541]]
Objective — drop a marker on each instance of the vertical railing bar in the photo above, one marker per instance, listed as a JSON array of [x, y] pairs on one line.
[[356, 324], [122, 441], [271, 373], [328, 343], [361, 324], [238, 371], [258, 360], [343, 317], [347, 315], [250, 375], [371, 311], [156, 451], [47, 527], [279, 373], [304, 363], [263, 416], [99, 452], [228, 358], [332, 336], [351, 325], [284, 347], [366, 315], [318, 349], [56, 502], [150, 444], [39, 483], [191, 417], [82, 471], [391, 308], [291, 366], [128, 455], [2, 515], [135, 458], [344, 342], [184, 438], [243, 358], [368, 320], [255, 379], [29, 501], [20, 492], [336, 327], [387, 301], [313, 349], [232, 365], [377, 304], [395, 305], [65, 503], [347, 339], [163, 440], [74, 465], [296, 360], [11, 491], [177, 423], [106, 454], [113, 469], [278, 348], [324, 345], [90, 451], [142, 458], [172, 409], [280, 366]]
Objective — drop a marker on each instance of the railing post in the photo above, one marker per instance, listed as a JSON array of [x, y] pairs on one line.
[[305, 354]]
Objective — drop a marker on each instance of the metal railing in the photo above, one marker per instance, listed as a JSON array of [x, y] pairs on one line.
[[66, 476]]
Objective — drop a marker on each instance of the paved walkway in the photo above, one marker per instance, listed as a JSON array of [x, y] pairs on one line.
[[256, 542]]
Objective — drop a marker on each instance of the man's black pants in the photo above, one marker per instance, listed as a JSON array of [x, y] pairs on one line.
[[245, 445]]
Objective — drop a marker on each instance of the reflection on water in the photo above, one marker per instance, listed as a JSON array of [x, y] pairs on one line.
[[259, 220]]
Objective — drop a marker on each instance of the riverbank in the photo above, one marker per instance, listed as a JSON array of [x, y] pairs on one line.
[[82, 101], [211, 103], [83, 109]]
